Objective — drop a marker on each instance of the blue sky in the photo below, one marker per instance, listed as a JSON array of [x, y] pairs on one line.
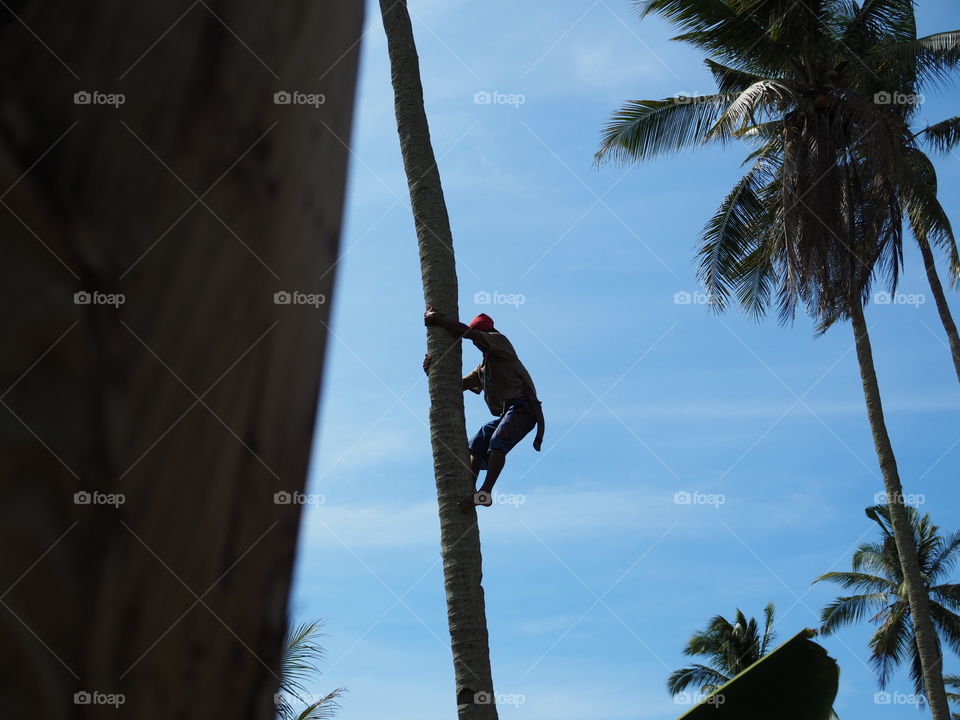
[[597, 579]]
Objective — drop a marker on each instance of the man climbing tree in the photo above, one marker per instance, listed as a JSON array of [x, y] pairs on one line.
[[509, 393]]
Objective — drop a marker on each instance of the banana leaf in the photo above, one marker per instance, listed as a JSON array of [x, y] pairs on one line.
[[796, 681]]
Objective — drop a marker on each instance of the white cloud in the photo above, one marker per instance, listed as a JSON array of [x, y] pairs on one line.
[[773, 410], [364, 526], [556, 515], [593, 700], [376, 448]]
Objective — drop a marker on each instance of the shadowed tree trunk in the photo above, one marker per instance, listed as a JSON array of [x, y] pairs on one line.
[[902, 529], [459, 535], [936, 287], [156, 395]]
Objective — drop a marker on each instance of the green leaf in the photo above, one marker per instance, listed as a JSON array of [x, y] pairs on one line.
[[799, 668], [943, 136], [696, 675], [848, 610], [929, 59], [761, 100], [644, 129], [727, 237], [880, 19]]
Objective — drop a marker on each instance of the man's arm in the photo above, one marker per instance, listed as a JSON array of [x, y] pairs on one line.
[[454, 327], [470, 382]]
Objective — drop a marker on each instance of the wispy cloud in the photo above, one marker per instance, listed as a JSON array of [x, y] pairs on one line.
[[560, 514]]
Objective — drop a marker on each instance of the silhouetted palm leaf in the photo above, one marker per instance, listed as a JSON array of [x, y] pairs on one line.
[[298, 666], [644, 129], [943, 136]]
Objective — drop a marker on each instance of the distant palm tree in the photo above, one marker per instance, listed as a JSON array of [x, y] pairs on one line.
[[824, 92], [298, 667], [730, 649], [878, 578]]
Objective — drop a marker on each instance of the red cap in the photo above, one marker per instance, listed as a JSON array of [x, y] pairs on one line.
[[482, 322]]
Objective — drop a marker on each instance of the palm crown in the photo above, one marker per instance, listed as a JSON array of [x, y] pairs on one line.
[[877, 578], [729, 648], [823, 92]]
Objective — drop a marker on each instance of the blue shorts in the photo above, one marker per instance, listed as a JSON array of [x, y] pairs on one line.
[[504, 432]]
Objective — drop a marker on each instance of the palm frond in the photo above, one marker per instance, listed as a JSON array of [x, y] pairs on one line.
[[860, 581], [298, 666], [946, 557], [892, 642], [729, 235], [767, 137], [757, 102], [729, 79], [645, 129], [324, 708], [697, 676], [769, 636], [300, 655], [875, 558], [947, 594], [953, 681], [757, 275], [916, 672], [879, 19], [929, 58], [849, 610], [943, 136], [730, 33], [947, 624], [713, 642]]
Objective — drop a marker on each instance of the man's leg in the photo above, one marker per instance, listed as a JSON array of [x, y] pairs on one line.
[[494, 467], [511, 429], [479, 452]]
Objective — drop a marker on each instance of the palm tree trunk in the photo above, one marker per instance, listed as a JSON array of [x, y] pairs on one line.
[[936, 287], [902, 531], [459, 535]]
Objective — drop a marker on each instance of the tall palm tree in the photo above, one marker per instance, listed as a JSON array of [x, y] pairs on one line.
[[730, 648], [459, 534], [877, 578], [820, 212], [298, 666]]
